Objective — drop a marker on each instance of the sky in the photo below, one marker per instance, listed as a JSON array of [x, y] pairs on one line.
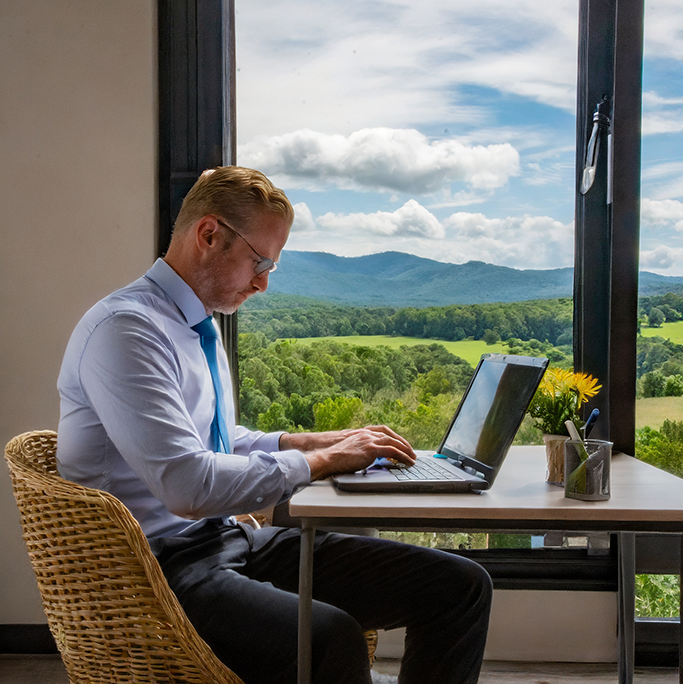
[[444, 128]]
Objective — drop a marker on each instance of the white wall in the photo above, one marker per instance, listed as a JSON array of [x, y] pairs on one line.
[[564, 626], [77, 206], [541, 626]]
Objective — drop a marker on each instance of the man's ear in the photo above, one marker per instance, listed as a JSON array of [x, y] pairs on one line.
[[206, 231]]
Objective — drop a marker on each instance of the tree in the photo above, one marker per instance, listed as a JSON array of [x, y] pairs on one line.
[[663, 448], [433, 383], [670, 313], [673, 365], [256, 369], [656, 317], [673, 386], [491, 336], [274, 419], [252, 402], [424, 426], [652, 384], [299, 410], [652, 352], [336, 414]]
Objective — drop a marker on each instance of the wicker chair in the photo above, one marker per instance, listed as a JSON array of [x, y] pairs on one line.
[[108, 605]]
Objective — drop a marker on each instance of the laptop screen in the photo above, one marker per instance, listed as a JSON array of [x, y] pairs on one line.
[[492, 409]]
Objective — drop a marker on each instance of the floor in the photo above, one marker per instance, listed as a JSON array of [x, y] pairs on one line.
[[498, 672], [49, 670]]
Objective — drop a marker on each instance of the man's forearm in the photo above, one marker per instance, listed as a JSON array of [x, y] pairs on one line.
[[308, 441]]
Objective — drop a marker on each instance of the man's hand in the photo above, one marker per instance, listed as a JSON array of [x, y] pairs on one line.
[[346, 451]]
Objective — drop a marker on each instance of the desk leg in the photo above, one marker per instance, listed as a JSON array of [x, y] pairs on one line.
[[305, 602], [626, 598]]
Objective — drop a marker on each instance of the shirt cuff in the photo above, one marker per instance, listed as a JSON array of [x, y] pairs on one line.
[[292, 463], [250, 440], [295, 468]]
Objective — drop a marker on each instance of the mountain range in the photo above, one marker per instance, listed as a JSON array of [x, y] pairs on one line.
[[398, 279]]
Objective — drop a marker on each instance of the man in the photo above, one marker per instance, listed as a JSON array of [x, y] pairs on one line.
[[147, 414]]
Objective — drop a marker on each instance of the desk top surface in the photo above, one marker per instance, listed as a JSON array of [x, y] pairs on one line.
[[643, 497]]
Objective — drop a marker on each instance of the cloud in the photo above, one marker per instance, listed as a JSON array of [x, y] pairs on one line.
[[303, 219], [663, 122], [663, 181], [653, 100], [401, 160], [343, 66], [412, 219], [662, 212], [663, 29], [658, 259], [661, 225], [520, 242], [665, 170], [660, 221], [661, 114]]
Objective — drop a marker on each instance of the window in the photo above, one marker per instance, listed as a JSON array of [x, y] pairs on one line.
[[195, 106], [408, 136], [403, 133]]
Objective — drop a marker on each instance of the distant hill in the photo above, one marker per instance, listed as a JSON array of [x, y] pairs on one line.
[[398, 279]]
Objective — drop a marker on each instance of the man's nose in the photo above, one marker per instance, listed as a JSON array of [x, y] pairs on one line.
[[260, 282]]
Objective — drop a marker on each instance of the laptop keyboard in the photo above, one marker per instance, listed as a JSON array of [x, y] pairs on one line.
[[423, 470]]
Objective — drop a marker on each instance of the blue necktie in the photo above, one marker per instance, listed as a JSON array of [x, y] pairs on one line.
[[209, 338]]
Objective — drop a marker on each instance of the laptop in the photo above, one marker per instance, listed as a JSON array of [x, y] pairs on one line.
[[477, 440]]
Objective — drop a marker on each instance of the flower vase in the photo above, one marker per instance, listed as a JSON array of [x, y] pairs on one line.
[[554, 451]]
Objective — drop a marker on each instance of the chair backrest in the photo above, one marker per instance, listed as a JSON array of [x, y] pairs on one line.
[[108, 605]]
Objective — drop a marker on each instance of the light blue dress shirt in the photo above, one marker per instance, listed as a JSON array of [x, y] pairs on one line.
[[137, 403]]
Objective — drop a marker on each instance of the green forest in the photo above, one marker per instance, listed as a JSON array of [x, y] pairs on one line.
[[330, 385], [414, 389], [544, 319]]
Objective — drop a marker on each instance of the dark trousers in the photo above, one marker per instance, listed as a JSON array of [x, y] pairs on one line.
[[238, 587]]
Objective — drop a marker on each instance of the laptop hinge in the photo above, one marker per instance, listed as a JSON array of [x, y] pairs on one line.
[[486, 471]]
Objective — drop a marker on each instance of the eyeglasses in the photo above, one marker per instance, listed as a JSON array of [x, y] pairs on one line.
[[264, 263]]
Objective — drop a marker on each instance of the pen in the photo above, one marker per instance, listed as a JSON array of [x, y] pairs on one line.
[[590, 423]]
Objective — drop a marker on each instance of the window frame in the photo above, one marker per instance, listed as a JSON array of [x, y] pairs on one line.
[[197, 115], [197, 130], [607, 236]]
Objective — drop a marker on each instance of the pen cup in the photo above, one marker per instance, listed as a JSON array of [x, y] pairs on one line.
[[587, 469]]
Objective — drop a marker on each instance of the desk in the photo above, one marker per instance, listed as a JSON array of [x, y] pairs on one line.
[[644, 499]]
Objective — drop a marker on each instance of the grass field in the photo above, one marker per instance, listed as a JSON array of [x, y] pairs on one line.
[[652, 412], [470, 350], [671, 331]]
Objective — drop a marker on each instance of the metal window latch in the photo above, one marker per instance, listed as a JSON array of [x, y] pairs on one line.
[[601, 125]]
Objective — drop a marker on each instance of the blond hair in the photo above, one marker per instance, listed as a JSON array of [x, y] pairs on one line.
[[236, 194]]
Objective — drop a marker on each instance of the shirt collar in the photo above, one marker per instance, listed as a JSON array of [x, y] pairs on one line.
[[178, 290]]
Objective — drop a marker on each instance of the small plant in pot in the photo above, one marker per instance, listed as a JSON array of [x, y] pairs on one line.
[[558, 398]]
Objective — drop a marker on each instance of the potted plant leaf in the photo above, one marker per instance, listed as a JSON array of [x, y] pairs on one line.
[[560, 397]]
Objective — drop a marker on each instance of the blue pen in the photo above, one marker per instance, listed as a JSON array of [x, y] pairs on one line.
[[590, 423]]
